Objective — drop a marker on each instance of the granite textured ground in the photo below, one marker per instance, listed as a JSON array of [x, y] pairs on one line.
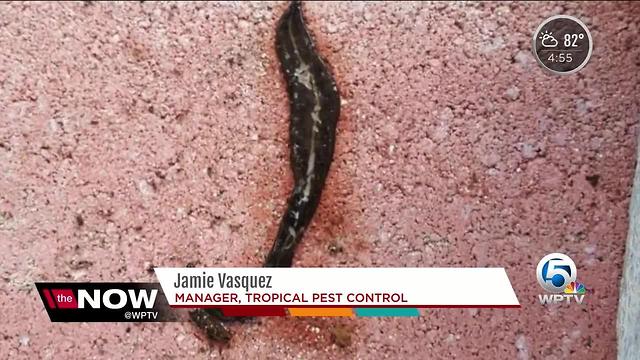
[[141, 134]]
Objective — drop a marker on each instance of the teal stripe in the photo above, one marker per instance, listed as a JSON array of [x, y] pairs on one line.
[[369, 312]]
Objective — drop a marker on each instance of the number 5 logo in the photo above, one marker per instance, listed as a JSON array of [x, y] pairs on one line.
[[555, 271]]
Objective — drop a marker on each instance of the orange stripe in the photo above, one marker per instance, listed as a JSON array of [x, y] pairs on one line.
[[320, 312]]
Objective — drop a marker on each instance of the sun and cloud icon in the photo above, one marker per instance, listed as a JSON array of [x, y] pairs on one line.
[[548, 40]]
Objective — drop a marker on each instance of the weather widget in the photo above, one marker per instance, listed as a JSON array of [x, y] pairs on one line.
[[562, 44]]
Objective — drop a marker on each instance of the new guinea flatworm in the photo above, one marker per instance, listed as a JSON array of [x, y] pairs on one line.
[[314, 104]]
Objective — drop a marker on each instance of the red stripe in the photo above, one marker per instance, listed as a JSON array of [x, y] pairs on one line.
[[47, 295], [253, 311]]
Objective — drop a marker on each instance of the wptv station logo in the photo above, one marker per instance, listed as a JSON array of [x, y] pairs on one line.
[[557, 275]]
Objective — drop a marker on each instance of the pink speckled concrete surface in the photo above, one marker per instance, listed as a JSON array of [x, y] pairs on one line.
[[142, 134]]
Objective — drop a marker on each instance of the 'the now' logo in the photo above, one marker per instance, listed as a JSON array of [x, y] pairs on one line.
[[96, 298]]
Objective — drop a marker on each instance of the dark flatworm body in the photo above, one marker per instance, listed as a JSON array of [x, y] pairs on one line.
[[211, 322], [314, 105]]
